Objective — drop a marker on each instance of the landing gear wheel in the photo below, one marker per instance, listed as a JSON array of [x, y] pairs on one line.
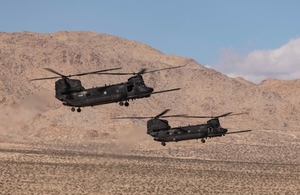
[[78, 110], [203, 140], [163, 143], [73, 109], [126, 104], [121, 103]]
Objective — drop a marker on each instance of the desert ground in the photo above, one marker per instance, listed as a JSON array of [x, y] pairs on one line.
[[113, 168], [47, 149]]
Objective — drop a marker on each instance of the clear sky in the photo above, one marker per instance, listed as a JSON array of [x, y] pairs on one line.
[[255, 39]]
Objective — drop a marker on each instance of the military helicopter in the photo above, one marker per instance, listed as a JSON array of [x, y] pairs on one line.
[[71, 92], [162, 132]]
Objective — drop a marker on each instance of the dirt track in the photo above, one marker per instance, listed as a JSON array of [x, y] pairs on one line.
[[51, 171]]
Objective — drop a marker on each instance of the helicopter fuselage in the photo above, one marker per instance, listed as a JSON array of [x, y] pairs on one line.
[[188, 132], [160, 130], [71, 92], [180, 134]]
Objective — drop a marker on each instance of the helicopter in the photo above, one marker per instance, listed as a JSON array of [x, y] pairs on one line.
[[71, 92], [162, 132]]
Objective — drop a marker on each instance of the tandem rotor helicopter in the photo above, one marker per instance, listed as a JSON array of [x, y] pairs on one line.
[[71, 93], [161, 131]]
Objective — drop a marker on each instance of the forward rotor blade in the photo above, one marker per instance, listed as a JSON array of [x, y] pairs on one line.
[[94, 72], [230, 114], [164, 112], [63, 76], [242, 131], [155, 92]]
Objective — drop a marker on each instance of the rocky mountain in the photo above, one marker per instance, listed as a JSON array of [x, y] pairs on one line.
[[30, 111]]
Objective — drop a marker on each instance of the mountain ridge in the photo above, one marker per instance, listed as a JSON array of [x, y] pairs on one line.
[[204, 91]]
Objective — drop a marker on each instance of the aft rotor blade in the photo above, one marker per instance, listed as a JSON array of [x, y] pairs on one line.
[[161, 114], [187, 116], [145, 117], [155, 92], [162, 69], [242, 131], [156, 117], [142, 71], [45, 78], [133, 117], [170, 116], [55, 72], [117, 73], [223, 115], [238, 113]]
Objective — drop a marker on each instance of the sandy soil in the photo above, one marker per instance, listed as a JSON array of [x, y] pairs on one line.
[[43, 169]]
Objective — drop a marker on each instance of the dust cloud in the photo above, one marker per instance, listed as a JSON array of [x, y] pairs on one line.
[[131, 137], [16, 116]]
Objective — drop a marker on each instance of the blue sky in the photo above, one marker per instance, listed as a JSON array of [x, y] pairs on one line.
[[222, 34]]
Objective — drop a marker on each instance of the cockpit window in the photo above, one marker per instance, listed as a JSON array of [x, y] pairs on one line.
[[142, 84]]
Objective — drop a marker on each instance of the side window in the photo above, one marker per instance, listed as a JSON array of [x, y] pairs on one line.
[[130, 88], [89, 94]]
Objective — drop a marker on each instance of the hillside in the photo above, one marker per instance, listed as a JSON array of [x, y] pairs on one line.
[[32, 113]]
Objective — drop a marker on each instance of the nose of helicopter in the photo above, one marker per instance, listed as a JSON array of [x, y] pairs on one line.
[[223, 131], [150, 90]]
